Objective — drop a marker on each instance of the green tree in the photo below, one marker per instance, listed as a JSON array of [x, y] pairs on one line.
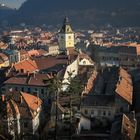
[[54, 86], [74, 90]]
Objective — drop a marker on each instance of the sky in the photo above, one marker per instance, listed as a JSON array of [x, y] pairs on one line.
[[12, 3]]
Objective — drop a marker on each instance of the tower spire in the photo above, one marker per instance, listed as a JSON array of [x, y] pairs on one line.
[[66, 20], [66, 27], [66, 35]]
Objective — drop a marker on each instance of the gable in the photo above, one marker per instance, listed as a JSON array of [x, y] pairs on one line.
[[85, 62]]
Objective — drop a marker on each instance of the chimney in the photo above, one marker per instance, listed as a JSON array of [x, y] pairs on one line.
[[21, 99], [3, 97]]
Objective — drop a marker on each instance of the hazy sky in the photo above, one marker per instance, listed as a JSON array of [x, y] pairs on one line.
[[12, 3]]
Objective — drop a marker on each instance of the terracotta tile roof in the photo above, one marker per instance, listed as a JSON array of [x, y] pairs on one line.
[[129, 125], [33, 53], [33, 102], [42, 52], [26, 65], [90, 83], [23, 52], [31, 80], [1, 61], [3, 57], [16, 80], [23, 104], [38, 79], [3, 45], [124, 86], [48, 62]]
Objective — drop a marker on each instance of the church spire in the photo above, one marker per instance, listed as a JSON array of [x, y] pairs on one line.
[[66, 27], [66, 20]]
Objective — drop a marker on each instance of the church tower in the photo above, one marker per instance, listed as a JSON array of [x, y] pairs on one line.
[[66, 36]]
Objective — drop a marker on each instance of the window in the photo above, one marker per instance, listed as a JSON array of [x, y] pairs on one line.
[[69, 37], [84, 62], [109, 113], [3, 89], [42, 91], [104, 113], [16, 88], [86, 112], [22, 89], [29, 90], [92, 111], [22, 70], [25, 124], [35, 89], [99, 112]]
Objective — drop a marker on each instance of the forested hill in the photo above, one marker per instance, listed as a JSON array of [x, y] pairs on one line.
[[81, 12]]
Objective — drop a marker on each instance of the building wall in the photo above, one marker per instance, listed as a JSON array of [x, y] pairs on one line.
[[66, 40], [98, 111], [53, 50], [108, 59], [14, 57], [72, 68], [84, 124], [36, 120], [121, 105], [127, 60], [42, 91]]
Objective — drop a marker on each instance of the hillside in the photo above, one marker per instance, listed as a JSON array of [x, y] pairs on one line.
[[5, 12], [81, 12]]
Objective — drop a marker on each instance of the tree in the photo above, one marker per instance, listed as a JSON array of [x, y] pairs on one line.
[[54, 87], [74, 90]]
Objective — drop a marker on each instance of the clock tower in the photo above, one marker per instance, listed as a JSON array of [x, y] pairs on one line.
[[66, 36]]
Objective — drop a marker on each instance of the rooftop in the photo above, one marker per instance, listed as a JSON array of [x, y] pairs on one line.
[[23, 104], [31, 80], [26, 65], [125, 86]]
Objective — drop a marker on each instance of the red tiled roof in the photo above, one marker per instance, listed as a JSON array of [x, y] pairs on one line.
[[23, 52], [32, 80], [33, 53], [42, 52], [3, 56], [32, 101], [24, 104], [48, 62], [26, 65], [124, 86], [90, 83]]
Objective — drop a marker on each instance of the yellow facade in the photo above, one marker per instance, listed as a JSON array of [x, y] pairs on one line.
[[4, 64]]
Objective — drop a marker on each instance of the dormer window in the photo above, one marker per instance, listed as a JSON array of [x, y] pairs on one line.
[[84, 62]]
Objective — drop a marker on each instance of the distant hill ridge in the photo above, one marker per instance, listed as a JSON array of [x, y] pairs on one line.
[[81, 12], [5, 11]]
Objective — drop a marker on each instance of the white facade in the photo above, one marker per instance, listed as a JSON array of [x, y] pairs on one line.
[[84, 124], [73, 69], [99, 111]]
